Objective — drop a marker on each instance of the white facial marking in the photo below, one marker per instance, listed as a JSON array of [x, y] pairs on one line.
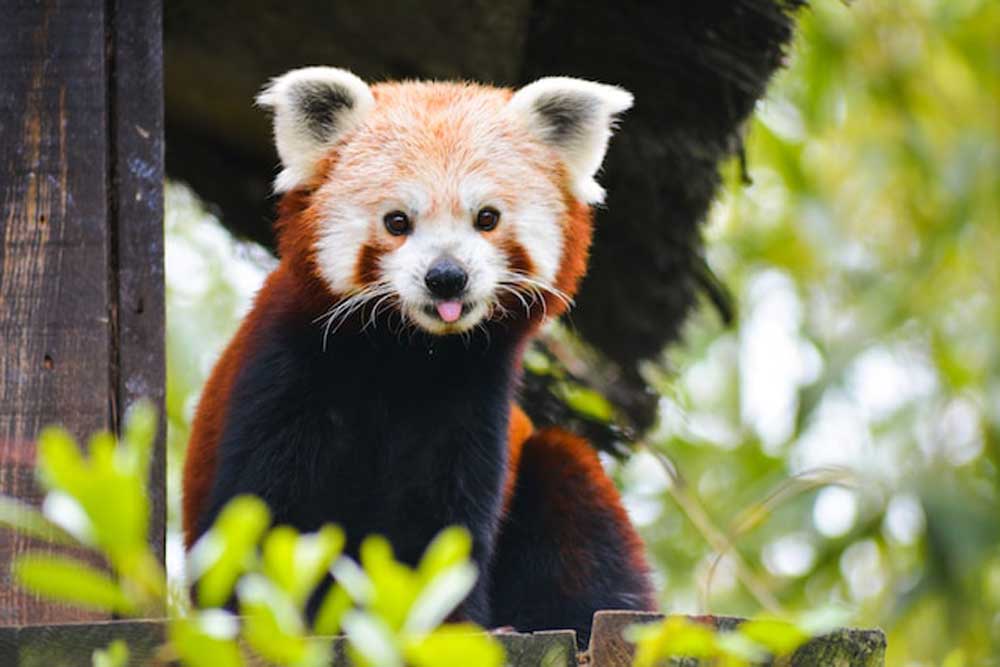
[[414, 198], [406, 267], [539, 231], [343, 233], [475, 192], [536, 225]]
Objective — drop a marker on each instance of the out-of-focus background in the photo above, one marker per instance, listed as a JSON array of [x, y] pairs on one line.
[[836, 447]]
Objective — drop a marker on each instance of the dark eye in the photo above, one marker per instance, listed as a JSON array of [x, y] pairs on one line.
[[397, 223], [487, 219]]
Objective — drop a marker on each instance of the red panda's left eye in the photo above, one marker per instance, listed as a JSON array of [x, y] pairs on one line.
[[397, 223], [487, 219]]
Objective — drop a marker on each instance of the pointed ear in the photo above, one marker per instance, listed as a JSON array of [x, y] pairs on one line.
[[575, 117], [313, 108]]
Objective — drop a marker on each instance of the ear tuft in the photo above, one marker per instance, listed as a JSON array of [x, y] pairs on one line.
[[314, 107], [575, 117]]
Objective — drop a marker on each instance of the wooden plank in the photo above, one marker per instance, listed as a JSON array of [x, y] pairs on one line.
[[552, 648], [81, 273], [136, 227], [54, 329], [841, 648]]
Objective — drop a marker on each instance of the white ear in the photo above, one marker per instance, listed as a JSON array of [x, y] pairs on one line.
[[313, 108], [576, 117]]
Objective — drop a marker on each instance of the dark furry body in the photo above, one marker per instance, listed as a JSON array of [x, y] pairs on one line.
[[403, 435]]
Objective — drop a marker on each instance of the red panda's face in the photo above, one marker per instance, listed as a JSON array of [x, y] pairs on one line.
[[447, 203]]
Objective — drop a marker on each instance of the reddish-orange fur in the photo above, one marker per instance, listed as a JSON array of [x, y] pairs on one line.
[[573, 460], [518, 432]]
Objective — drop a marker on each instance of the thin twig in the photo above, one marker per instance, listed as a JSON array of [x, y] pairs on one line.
[[692, 507]]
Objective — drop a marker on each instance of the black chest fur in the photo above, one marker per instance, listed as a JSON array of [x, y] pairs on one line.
[[380, 433]]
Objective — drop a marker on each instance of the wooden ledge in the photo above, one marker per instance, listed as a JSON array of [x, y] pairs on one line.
[[840, 648], [73, 644]]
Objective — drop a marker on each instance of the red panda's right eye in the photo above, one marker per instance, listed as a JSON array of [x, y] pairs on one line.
[[397, 223]]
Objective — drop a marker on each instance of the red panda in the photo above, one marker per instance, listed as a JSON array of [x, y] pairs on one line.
[[426, 231]]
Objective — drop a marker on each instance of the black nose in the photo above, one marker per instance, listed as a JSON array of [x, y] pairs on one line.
[[446, 278]]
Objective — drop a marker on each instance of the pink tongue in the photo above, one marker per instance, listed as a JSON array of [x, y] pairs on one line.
[[449, 310]]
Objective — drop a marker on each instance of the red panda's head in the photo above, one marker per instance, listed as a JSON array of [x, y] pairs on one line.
[[450, 203]]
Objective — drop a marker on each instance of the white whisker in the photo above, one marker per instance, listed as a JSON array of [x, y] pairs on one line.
[[523, 284], [337, 314]]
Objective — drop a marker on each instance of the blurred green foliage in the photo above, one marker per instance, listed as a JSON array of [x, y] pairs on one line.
[[750, 643], [391, 614], [845, 435]]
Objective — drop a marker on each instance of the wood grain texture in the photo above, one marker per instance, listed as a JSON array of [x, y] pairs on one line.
[[841, 648], [136, 227], [67, 354], [54, 330]]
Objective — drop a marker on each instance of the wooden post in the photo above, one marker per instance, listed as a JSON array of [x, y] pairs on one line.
[[81, 239]]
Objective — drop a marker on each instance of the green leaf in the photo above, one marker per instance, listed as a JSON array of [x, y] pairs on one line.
[[372, 639], [206, 640], [779, 637], [674, 637], [536, 362], [101, 448], [110, 495], [28, 521], [586, 402], [115, 655], [278, 556], [452, 545], [440, 597], [331, 611], [297, 563], [65, 511], [60, 464], [273, 626], [738, 646], [70, 580], [353, 579], [228, 549], [395, 585], [457, 645]]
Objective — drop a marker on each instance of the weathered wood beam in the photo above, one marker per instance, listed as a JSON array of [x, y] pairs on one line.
[[840, 648], [81, 249]]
